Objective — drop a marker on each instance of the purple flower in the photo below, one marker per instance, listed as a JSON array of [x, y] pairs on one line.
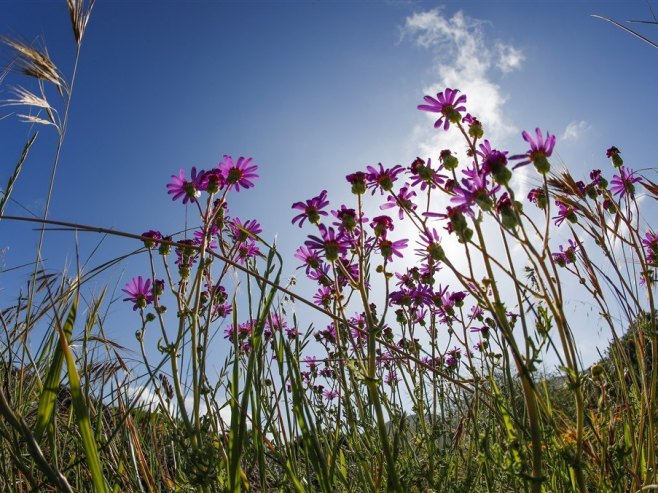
[[540, 150], [320, 275], [158, 288], [358, 182], [331, 244], [311, 209], [389, 248], [347, 218], [383, 179], [310, 258], [274, 323], [323, 297], [424, 175], [475, 129], [222, 310], [246, 250], [566, 255], [623, 183], [329, 395], [475, 191], [431, 249], [291, 332], [494, 163], [239, 174], [538, 196], [409, 278], [597, 179], [211, 241], [391, 378], [650, 242], [181, 187], [186, 252], [401, 200], [457, 221], [153, 240], [381, 225], [613, 153], [565, 212], [242, 231], [139, 292], [448, 104], [327, 335], [506, 210], [213, 181]]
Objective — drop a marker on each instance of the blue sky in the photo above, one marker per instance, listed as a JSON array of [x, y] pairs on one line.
[[312, 91]]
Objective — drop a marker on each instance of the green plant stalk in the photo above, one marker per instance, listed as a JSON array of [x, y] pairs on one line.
[[373, 392], [527, 384]]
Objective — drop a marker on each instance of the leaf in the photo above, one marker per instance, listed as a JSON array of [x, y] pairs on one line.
[[80, 408], [48, 397], [17, 170]]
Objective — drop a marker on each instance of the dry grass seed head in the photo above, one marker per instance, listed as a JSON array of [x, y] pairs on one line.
[[34, 63], [79, 17]]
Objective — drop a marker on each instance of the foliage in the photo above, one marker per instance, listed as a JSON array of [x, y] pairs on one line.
[[425, 373]]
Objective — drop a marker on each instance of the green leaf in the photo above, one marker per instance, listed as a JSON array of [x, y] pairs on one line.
[[48, 397], [80, 406]]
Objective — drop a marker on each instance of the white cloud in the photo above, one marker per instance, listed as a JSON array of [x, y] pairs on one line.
[[575, 129], [509, 58], [464, 59]]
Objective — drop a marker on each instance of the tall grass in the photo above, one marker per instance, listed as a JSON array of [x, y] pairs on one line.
[[422, 369]]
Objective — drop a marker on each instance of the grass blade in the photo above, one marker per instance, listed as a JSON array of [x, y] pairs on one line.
[[80, 407], [48, 397]]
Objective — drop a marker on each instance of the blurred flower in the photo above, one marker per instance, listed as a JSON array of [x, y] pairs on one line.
[[650, 242], [623, 183], [475, 129], [391, 378], [494, 163], [211, 241], [538, 196], [329, 395], [565, 212], [323, 297], [567, 255], [613, 153]]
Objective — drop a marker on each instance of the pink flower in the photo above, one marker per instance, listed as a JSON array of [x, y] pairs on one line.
[[139, 292], [181, 187], [239, 174], [623, 183], [448, 104]]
